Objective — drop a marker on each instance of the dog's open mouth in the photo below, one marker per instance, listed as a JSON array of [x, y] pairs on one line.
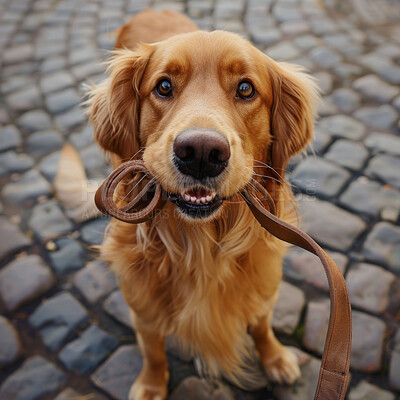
[[197, 202]]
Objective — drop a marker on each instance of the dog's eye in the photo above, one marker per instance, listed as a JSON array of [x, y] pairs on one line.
[[245, 90], [164, 88]]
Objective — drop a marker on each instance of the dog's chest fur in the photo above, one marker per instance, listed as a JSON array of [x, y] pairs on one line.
[[201, 283]]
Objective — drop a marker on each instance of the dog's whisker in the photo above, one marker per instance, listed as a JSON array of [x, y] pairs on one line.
[[137, 183], [266, 166], [265, 176]]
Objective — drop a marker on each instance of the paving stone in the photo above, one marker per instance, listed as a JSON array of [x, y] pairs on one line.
[[325, 57], [383, 245], [17, 54], [385, 168], [321, 141], [346, 99], [95, 281], [56, 81], [327, 107], [44, 142], [306, 42], [330, 225], [366, 391], [374, 87], [33, 121], [288, 308], [36, 378], [118, 373], [286, 12], [16, 83], [347, 71], [86, 352], [69, 394], [69, 256], [198, 389], [394, 377], [70, 119], [49, 165], [347, 154], [304, 266], [316, 325], [24, 100], [85, 71], [342, 126], [10, 345], [53, 64], [29, 186], [292, 28], [93, 231], [283, 51], [11, 162], [62, 100], [264, 36], [47, 221], [369, 287], [57, 318], [380, 142], [370, 197], [382, 117], [396, 103], [10, 137], [325, 81], [12, 238], [83, 138], [383, 66], [318, 177], [23, 280], [94, 161], [304, 388], [367, 347], [117, 308]]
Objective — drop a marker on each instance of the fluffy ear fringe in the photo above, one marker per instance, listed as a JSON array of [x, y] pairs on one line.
[[295, 99], [113, 105]]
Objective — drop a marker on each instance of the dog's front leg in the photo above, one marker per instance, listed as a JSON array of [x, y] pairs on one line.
[[280, 364], [153, 379]]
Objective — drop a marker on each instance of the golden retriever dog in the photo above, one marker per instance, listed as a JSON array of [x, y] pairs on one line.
[[207, 112]]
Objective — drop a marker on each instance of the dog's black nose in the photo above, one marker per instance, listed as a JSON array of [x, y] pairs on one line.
[[201, 152]]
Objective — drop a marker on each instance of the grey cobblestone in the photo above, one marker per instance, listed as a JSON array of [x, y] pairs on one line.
[[11, 162], [330, 225], [380, 142], [370, 197], [342, 126], [348, 154], [385, 168], [382, 117], [376, 88], [58, 317], [12, 237], [68, 257], [36, 378], [34, 121], [95, 281], [316, 176], [47, 221], [44, 142], [394, 378], [10, 345], [369, 287], [10, 137], [116, 307], [366, 391], [24, 279], [383, 245], [86, 352]]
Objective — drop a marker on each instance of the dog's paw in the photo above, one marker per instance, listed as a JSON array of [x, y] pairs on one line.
[[142, 391], [283, 368]]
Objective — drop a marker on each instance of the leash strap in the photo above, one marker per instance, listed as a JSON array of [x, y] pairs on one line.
[[334, 372]]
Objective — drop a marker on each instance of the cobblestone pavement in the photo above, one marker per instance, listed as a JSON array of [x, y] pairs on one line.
[[65, 329]]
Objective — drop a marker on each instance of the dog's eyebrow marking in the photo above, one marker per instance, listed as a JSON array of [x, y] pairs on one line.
[[177, 66]]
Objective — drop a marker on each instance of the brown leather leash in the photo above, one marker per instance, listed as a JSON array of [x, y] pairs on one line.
[[334, 372]]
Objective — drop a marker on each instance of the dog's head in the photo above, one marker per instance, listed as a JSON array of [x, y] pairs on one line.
[[207, 110]]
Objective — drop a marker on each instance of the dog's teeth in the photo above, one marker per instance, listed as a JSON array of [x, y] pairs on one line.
[[193, 199], [203, 200], [187, 197], [208, 198], [198, 201]]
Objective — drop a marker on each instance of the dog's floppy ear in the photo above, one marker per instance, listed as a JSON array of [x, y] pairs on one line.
[[295, 96], [113, 106]]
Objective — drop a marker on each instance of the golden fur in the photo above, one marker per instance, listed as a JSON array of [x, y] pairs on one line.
[[205, 281]]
